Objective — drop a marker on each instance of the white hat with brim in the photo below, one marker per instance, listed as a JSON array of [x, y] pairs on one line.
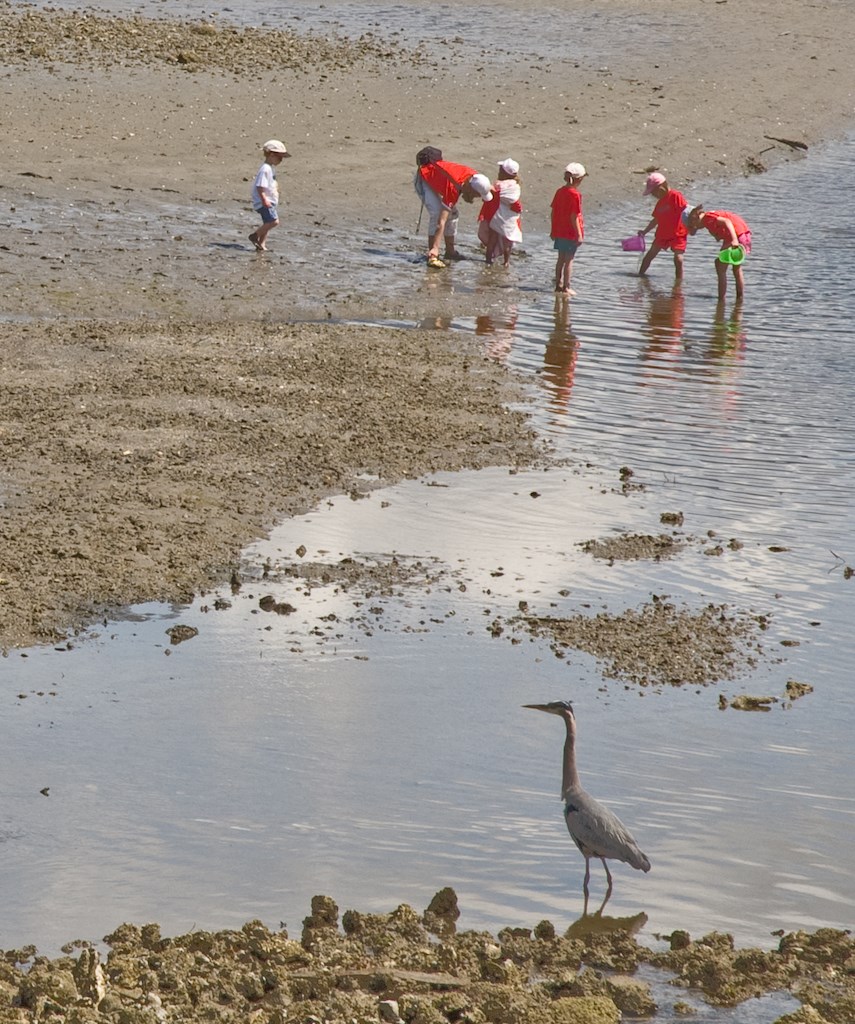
[[575, 170], [509, 166], [480, 185], [275, 146]]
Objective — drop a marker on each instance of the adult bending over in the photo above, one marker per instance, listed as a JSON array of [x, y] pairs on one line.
[[440, 184]]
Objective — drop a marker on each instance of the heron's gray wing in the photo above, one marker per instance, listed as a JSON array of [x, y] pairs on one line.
[[600, 833]]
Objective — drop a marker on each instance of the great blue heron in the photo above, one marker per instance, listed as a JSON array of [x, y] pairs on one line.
[[595, 830]]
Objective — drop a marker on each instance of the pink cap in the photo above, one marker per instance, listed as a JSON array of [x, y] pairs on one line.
[[654, 180]]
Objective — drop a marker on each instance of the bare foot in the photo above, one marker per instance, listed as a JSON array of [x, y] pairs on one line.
[[259, 246]]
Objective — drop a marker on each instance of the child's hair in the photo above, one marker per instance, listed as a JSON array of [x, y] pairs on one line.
[[691, 213], [428, 155]]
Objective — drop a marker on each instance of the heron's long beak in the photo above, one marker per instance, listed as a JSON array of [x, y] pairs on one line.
[[539, 707]]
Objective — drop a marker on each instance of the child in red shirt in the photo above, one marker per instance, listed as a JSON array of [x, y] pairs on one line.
[[667, 219], [731, 230], [568, 227]]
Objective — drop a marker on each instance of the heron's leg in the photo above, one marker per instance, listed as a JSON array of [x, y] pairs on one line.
[[585, 885], [609, 889]]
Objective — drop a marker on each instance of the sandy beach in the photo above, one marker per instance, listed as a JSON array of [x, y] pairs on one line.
[[154, 109], [124, 183], [131, 149]]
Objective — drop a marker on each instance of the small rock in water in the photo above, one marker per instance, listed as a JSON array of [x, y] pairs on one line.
[[746, 703], [178, 634]]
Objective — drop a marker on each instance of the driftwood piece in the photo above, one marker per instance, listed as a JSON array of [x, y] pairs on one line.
[[792, 143], [407, 977]]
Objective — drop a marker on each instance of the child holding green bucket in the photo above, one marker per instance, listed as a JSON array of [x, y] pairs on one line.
[[735, 237]]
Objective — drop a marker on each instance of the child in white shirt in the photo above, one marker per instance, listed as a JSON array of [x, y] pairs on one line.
[[505, 224], [265, 192]]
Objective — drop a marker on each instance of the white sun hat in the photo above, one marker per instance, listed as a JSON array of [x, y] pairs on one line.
[[480, 185]]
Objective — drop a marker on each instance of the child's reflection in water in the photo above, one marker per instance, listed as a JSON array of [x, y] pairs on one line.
[[559, 357]]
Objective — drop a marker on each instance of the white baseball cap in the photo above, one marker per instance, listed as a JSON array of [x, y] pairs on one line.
[[275, 146], [480, 185], [575, 170], [509, 166]]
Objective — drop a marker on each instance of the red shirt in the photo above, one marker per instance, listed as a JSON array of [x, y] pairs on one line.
[[669, 220], [446, 179], [489, 207], [719, 231], [566, 207]]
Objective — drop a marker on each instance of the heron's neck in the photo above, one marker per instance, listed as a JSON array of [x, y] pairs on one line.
[[570, 777]]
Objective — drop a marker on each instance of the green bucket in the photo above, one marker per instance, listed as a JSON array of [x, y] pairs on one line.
[[735, 255]]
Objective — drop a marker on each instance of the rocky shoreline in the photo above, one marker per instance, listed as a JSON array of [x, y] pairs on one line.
[[407, 967]]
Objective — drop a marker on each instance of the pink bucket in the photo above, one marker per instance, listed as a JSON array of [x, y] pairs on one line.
[[635, 243]]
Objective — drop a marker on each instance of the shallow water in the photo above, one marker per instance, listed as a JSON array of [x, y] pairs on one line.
[[445, 30]]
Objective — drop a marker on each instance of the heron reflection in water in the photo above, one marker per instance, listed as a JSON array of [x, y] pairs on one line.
[[594, 828]]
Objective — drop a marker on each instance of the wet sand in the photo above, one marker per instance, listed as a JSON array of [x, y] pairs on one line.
[[139, 458]]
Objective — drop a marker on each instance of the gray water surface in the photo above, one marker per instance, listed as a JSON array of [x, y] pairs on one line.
[[445, 30]]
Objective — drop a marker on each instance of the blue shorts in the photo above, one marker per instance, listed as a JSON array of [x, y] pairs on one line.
[[567, 245], [269, 214]]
